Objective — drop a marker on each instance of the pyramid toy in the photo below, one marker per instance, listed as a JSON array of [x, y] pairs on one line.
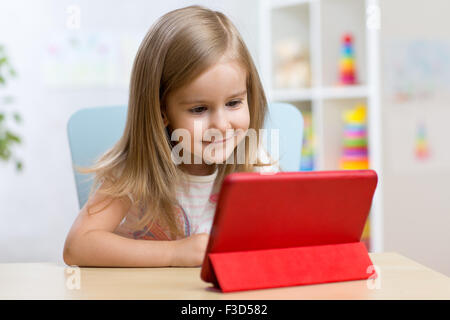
[[347, 69], [355, 151]]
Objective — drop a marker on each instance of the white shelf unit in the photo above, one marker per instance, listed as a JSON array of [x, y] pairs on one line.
[[319, 25]]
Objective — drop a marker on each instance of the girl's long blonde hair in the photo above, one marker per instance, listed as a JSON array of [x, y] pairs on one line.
[[178, 47]]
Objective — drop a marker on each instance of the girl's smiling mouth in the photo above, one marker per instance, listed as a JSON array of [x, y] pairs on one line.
[[219, 141]]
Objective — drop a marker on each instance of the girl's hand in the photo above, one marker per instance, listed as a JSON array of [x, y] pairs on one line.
[[190, 251]]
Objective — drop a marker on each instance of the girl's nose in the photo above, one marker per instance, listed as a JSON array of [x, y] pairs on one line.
[[219, 121]]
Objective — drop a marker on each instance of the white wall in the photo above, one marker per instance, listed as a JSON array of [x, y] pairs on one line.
[[416, 194], [38, 206]]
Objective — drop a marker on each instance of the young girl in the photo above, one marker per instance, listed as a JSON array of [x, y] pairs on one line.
[[192, 73]]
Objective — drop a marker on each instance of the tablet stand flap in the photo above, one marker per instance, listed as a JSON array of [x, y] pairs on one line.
[[259, 269]]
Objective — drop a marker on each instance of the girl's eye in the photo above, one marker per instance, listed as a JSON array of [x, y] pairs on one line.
[[197, 110], [234, 103]]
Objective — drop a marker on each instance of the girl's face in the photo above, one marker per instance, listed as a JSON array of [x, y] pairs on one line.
[[213, 108]]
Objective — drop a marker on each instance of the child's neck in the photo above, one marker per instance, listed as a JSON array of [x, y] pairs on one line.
[[198, 169]]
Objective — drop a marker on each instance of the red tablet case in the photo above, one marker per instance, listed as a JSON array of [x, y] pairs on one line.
[[290, 228]]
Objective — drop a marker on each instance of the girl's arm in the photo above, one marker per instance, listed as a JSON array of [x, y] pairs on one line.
[[91, 242]]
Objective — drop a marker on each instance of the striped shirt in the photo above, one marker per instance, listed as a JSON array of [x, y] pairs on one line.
[[199, 204]]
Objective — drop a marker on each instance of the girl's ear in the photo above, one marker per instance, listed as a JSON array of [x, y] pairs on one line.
[[165, 120]]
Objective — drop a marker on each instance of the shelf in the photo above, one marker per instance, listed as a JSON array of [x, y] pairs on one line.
[[290, 47], [309, 80], [292, 94], [277, 4], [347, 92], [339, 17]]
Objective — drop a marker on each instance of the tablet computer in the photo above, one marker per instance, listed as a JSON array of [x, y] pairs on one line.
[[289, 209]]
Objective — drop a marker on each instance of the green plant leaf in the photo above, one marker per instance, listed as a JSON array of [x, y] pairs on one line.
[[2, 145], [17, 117], [7, 137], [8, 99], [19, 165], [12, 137], [6, 154]]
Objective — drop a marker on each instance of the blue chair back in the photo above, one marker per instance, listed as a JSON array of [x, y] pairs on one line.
[[289, 121], [92, 131]]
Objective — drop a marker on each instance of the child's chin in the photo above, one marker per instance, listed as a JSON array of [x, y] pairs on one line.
[[218, 159]]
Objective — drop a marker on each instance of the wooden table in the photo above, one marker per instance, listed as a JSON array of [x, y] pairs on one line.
[[400, 278]]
